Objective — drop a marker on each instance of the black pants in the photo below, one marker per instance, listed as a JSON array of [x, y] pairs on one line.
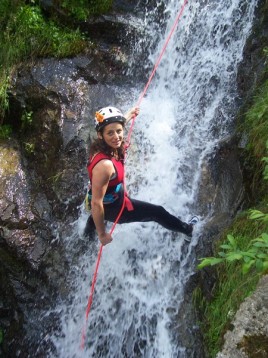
[[143, 212]]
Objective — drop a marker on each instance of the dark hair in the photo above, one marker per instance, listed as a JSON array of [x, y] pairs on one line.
[[99, 145]]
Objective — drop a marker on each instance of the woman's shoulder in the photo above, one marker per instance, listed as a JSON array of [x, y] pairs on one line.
[[103, 165], [99, 158]]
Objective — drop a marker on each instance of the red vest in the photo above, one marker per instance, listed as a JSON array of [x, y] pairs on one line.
[[118, 165], [113, 183]]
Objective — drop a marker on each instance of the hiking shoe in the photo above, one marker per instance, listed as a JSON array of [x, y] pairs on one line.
[[194, 220]]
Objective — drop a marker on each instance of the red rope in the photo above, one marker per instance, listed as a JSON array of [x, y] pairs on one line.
[[90, 299], [155, 67]]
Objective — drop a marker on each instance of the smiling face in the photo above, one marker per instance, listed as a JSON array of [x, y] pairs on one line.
[[112, 135]]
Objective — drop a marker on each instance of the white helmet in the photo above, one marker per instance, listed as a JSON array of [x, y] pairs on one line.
[[106, 116]]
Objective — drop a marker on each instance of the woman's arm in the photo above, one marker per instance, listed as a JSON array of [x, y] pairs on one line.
[[133, 112], [101, 174]]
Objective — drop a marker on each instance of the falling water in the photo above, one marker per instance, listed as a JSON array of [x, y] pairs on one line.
[[189, 107]]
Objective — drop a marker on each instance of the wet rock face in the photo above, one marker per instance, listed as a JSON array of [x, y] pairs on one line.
[[222, 189], [249, 334], [252, 69], [22, 213], [43, 179], [43, 171], [25, 239]]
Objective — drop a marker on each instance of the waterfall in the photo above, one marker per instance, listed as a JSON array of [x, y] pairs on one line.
[[189, 107]]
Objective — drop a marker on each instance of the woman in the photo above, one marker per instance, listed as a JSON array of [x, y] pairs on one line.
[[106, 173]]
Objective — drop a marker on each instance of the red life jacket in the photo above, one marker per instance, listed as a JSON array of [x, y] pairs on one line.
[[118, 165], [116, 184]]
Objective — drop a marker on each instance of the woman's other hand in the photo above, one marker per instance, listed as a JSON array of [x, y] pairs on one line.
[[133, 112], [105, 238]]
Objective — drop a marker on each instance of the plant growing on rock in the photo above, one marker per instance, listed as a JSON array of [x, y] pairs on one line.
[[256, 255], [25, 34]]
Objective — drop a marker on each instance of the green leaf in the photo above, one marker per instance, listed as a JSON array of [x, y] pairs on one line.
[[246, 259], [209, 261], [205, 262], [216, 261], [234, 256], [231, 240], [253, 250], [265, 265], [225, 246], [260, 244], [262, 256], [248, 254], [247, 266], [255, 214], [259, 265], [265, 237], [222, 254]]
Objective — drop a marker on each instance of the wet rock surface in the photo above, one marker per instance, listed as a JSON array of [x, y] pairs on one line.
[[252, 68], [249, 334], [221, 190], [43, 179]]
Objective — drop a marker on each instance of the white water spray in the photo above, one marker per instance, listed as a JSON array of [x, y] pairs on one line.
[[189, 107]]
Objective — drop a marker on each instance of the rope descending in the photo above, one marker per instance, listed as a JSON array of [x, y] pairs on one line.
[[90, 298]]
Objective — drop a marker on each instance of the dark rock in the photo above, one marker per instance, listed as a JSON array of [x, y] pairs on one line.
[[221, 181], [252, 69]]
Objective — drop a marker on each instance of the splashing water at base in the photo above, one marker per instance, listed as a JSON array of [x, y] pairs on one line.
[[142, 275]]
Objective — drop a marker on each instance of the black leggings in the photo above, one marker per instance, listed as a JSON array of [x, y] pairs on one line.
[[143, 212]]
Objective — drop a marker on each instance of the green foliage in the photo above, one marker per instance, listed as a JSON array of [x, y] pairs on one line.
[[243, 258], [29, 34], [5, 131], [82, 9], [26, 119], [254, 127], [29, 147], [265, 160], [255, 255], [256, 124], [233, 287], [99, 7], [4, 80], [26, 34]]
